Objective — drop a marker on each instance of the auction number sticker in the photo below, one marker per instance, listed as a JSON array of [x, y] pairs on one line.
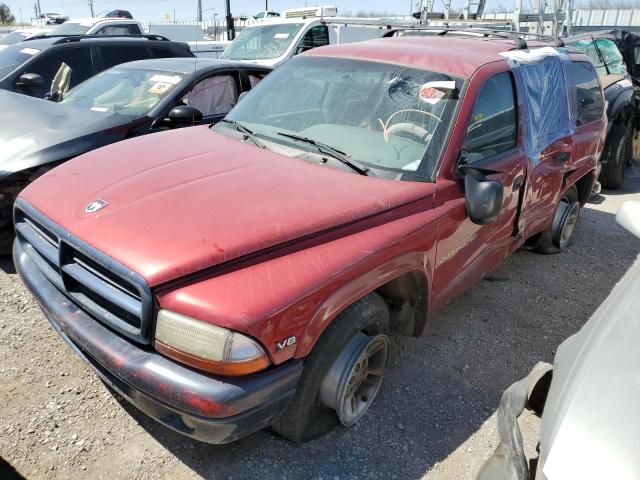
[[281, 35], [432, 92]]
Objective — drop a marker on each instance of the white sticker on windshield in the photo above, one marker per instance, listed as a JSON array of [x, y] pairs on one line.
[[170, 79], [2, 47], [281, 35], [99, 109], [29, 51], [432, 92], [161, 88]]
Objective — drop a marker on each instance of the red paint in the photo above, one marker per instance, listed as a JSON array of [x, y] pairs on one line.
[[275, 247]]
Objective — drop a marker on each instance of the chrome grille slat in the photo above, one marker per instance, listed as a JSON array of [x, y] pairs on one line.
[[103, 288]]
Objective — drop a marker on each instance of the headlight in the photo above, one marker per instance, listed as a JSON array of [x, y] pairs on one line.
[[206, 346]]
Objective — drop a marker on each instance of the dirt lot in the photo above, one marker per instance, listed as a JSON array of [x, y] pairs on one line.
[[433, 419]]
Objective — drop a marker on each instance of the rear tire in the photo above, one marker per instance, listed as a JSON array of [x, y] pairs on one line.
[[558, 236], [307, 416], [615, 157]]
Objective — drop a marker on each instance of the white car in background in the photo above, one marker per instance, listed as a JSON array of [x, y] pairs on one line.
[[588, 400], [18, 36], [98, 26], [45, 19]]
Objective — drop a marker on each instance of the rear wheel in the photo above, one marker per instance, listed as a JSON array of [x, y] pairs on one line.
[[342, 374], [616, 154], [558, 236]]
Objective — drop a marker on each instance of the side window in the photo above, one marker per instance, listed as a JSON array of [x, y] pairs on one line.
[[78, 59], [114, 30], [134, 29], [116, 54], [493, 125], [318, 36], [163, 52], [585, 91], [215, 95]]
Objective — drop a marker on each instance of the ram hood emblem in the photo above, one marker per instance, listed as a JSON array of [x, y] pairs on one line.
[[94, 206]]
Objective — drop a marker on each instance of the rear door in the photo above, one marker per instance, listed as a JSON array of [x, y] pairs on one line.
[[547, 173], [465, 250]]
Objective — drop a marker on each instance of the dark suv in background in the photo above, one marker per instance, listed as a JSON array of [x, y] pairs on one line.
[[616, 55], [29, 67]]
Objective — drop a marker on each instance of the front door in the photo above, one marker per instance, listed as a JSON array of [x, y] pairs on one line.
[[465, 250]]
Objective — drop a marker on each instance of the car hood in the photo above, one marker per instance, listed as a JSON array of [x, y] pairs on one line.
[[33, 128], [591, 419], [189, 199]]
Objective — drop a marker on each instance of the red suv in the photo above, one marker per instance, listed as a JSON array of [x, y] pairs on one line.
[[227, 278]]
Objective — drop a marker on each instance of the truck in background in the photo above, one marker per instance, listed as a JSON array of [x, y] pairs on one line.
[[274, 41]]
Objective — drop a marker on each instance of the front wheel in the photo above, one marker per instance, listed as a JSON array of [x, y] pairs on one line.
[[342, 374], [616, 155], [558, 236]]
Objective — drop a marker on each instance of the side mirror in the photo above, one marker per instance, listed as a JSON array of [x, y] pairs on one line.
[[483, 196], [628, 217], [30, 80], [185, 115]]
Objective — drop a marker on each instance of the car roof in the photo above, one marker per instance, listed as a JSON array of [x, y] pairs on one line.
[[455, 54], [188, 65], [89, 22]]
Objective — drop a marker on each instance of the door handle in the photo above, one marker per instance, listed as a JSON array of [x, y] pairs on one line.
[[561, 156], [517, 183]]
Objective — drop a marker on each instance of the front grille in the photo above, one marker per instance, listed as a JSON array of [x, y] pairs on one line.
[[108, 291]]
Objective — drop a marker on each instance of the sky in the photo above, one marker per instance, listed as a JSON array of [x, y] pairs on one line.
[[155, 10]]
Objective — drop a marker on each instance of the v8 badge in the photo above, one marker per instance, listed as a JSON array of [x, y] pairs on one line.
[[287, 342]]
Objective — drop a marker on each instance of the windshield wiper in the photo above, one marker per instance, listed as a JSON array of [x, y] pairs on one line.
[[331, 151], [250, 134]]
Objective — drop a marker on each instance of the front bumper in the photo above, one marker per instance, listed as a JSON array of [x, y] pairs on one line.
[[209, 408]]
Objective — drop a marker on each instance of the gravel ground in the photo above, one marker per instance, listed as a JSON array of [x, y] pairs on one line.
[[434, 417]]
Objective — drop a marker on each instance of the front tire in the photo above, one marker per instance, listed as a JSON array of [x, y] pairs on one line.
[[615, 156], [333, 387]]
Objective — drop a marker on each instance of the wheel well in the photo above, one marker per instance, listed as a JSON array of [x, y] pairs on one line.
[[406, 299], [584, 186]]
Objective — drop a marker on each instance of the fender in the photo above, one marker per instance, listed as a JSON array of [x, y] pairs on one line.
[[619, 98], [359, 286]]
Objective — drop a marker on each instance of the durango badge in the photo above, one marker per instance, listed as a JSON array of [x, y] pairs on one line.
[[94, 206]]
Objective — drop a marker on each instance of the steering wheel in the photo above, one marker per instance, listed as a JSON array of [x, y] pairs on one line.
[[405, 127], [414, 130]]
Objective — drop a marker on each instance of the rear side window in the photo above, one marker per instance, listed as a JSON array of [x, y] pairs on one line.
[[164, 52], [493, 126], [318, 36], [116, 54], [124, 29], [585, 91], [48, 64]]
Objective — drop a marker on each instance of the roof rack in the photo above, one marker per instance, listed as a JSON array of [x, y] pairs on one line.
[[440, 31], [76, 38], [485, 32]]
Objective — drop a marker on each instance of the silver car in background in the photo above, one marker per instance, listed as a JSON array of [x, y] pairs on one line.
[[589, 401]]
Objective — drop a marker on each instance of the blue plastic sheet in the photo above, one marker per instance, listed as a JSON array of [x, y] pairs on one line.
[[540, 76]]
